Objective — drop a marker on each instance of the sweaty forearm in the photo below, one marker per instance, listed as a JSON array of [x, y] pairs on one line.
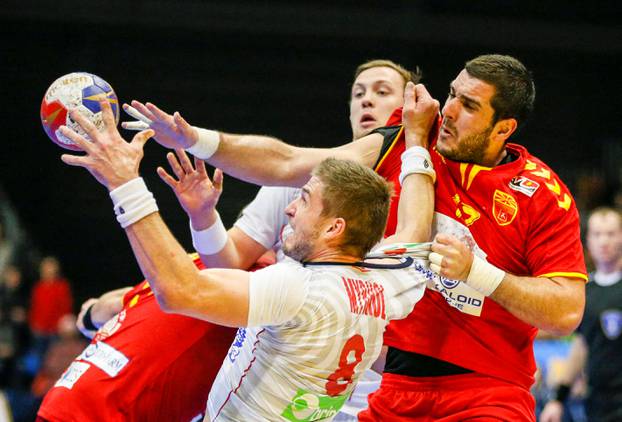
[[415, 210], [108, 305], [172, 275], [552, 304], [263, 160], [269, 162]]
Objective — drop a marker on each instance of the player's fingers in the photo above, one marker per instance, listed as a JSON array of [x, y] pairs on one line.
[[85, 124], [200, 166], [436, 259], [140, 139], [218, 179], [108, 116], [181, 122], [435, 268], [75, 160], [78, 139], [175, 166], [143, 110], [409, 93], [157, 113], [134, 125], [184, 161], [422, 93], [443, 239], [136, 114], [166, 178]]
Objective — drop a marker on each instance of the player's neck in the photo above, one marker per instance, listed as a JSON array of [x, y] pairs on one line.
[[331, 255]]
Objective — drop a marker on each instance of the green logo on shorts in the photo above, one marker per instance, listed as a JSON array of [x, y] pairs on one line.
[[307, 407]]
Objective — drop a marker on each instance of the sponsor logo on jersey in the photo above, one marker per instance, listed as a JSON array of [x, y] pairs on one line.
[[307, 407], [504, 207], [457, 294], [105, 357], [446, 282], [238, 342], [524, 185], [366, 297], [611, 323], [72, 374], [111, 327]]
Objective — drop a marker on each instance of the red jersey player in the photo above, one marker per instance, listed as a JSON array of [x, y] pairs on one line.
[[507, 251], [126, 374]]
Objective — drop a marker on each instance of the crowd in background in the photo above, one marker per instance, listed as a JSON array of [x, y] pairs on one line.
[[39, 339], [38, 335]]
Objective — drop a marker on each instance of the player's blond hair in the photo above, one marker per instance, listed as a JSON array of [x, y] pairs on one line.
[[408, 75], [359, 196]]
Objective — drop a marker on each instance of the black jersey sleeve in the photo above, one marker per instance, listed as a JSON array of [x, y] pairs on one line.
[[389, 133]]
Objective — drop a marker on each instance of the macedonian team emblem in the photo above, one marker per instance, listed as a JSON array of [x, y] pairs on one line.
[[504, 208]]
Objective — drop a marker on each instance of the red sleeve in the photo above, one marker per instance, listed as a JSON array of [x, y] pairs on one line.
[[554, 246]]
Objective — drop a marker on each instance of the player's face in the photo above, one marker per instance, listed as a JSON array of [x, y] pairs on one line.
[[376, 92], [604, 239], [305, 220], [465, 134]]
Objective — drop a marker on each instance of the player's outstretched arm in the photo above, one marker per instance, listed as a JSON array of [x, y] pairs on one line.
[[553, 304], [256, 159], [219, 296], [95, 312], [416, 204], [198, 195]]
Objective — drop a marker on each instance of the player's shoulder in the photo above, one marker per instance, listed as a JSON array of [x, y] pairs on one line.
[[536, 182]]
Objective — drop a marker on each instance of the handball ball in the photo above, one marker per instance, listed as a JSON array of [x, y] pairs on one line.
[[81, 91]]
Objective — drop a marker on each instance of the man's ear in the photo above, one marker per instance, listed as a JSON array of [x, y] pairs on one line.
[[336, 228], [503, 129]]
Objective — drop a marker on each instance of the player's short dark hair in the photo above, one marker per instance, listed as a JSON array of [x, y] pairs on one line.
[[515, 91]]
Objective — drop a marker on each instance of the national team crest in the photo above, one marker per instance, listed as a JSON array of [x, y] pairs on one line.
[[524, 185], [611, 323], [504, 208]]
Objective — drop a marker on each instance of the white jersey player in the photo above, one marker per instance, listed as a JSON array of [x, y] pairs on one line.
[[264, 221], [314, 328]]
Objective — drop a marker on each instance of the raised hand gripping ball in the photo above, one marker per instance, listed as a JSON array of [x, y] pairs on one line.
[[81, 91]]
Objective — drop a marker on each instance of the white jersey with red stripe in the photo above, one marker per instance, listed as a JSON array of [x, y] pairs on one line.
[[313, 330]]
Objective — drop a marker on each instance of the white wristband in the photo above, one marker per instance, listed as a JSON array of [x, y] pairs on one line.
[[211, 240], [132, 201], [417, 160], [207, 144], [484, 277]]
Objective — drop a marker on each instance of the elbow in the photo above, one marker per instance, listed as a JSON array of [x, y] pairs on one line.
[[169, 302], [568, 322]]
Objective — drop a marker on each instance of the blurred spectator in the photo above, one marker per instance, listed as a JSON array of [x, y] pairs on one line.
[[51, 299], [15, 248], [14, 333], [597, 346]]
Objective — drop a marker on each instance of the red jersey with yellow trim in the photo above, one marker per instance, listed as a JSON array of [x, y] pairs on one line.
[[521, 218], [142, 365]]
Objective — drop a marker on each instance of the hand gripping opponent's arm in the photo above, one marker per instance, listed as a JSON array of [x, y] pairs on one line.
[[416, 203], [256, 159], [553, 304]]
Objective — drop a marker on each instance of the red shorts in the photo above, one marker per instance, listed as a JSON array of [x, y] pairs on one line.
[[472, 397]]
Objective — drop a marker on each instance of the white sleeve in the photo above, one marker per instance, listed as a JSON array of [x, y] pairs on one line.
[[264, 217], [276, 294]]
